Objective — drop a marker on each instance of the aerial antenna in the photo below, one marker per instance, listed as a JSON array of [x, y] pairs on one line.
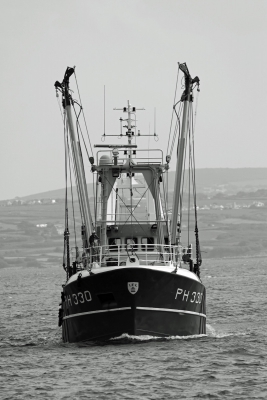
[[104, 110], [155, 121]]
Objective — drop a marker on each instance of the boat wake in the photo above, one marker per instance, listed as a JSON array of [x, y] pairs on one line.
[[211, 332], [125, 338]]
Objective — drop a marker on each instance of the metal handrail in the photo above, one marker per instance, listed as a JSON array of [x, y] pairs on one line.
[[151, 151], [139, 221], [151, 254]]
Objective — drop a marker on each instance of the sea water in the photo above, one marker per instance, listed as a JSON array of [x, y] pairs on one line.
[[227, 363]]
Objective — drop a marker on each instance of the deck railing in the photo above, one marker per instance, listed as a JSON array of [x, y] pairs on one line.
[[142, 254]]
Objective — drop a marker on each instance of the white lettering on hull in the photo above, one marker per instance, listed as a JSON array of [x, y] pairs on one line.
[[195, 297], [79, 298], [185, 295]]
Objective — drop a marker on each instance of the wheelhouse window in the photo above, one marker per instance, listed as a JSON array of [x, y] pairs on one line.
[[114, 244], [131, 243], [147, 244]]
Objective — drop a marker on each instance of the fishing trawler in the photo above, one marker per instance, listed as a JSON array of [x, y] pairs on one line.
[[132, 274]]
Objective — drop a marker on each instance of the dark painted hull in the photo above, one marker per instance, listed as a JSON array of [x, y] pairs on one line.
[[100, 306]]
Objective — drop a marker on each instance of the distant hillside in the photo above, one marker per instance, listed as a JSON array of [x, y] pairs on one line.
[[222, 176], [233, 179], [230, 179], [58, 194]]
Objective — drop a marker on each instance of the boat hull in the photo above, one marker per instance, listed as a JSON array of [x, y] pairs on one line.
[[136, 301]]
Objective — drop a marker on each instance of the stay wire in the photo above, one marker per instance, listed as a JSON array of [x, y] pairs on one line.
[[198, 250], [78, 127], [94, 197], [174, 100], [173, 108], [66, 174], [177, 127], [183, 185], [194, 119], [66, 228], [77, 187], [72, 200], [165, 197], [83, 113], [167, 193], [60, 110], [189, 185]]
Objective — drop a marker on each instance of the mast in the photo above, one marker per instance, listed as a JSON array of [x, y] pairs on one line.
[[77, 158], [129, 133], [186, 99]]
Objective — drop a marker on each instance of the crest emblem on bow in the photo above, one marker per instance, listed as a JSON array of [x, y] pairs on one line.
[[133, 287]]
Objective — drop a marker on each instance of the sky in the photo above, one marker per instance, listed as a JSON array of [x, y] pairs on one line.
[[132, 47]]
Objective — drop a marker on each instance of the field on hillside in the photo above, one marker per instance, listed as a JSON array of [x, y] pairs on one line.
[[208, 180], [230, 232], [33, 235]]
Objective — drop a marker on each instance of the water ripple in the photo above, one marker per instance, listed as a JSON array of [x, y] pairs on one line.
[[226, 363]]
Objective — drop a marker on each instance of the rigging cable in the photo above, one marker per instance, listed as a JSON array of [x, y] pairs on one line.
[[78, 190], [166, 205], [83, 113], [182, 185], [174, 100], [198, 250], [76, 177], [72, 201], [148, 193], [189, 183], [95, 199], [60, 108], [177, 126], [96, 196], [77, 186], [66, 230], [78, 127]]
